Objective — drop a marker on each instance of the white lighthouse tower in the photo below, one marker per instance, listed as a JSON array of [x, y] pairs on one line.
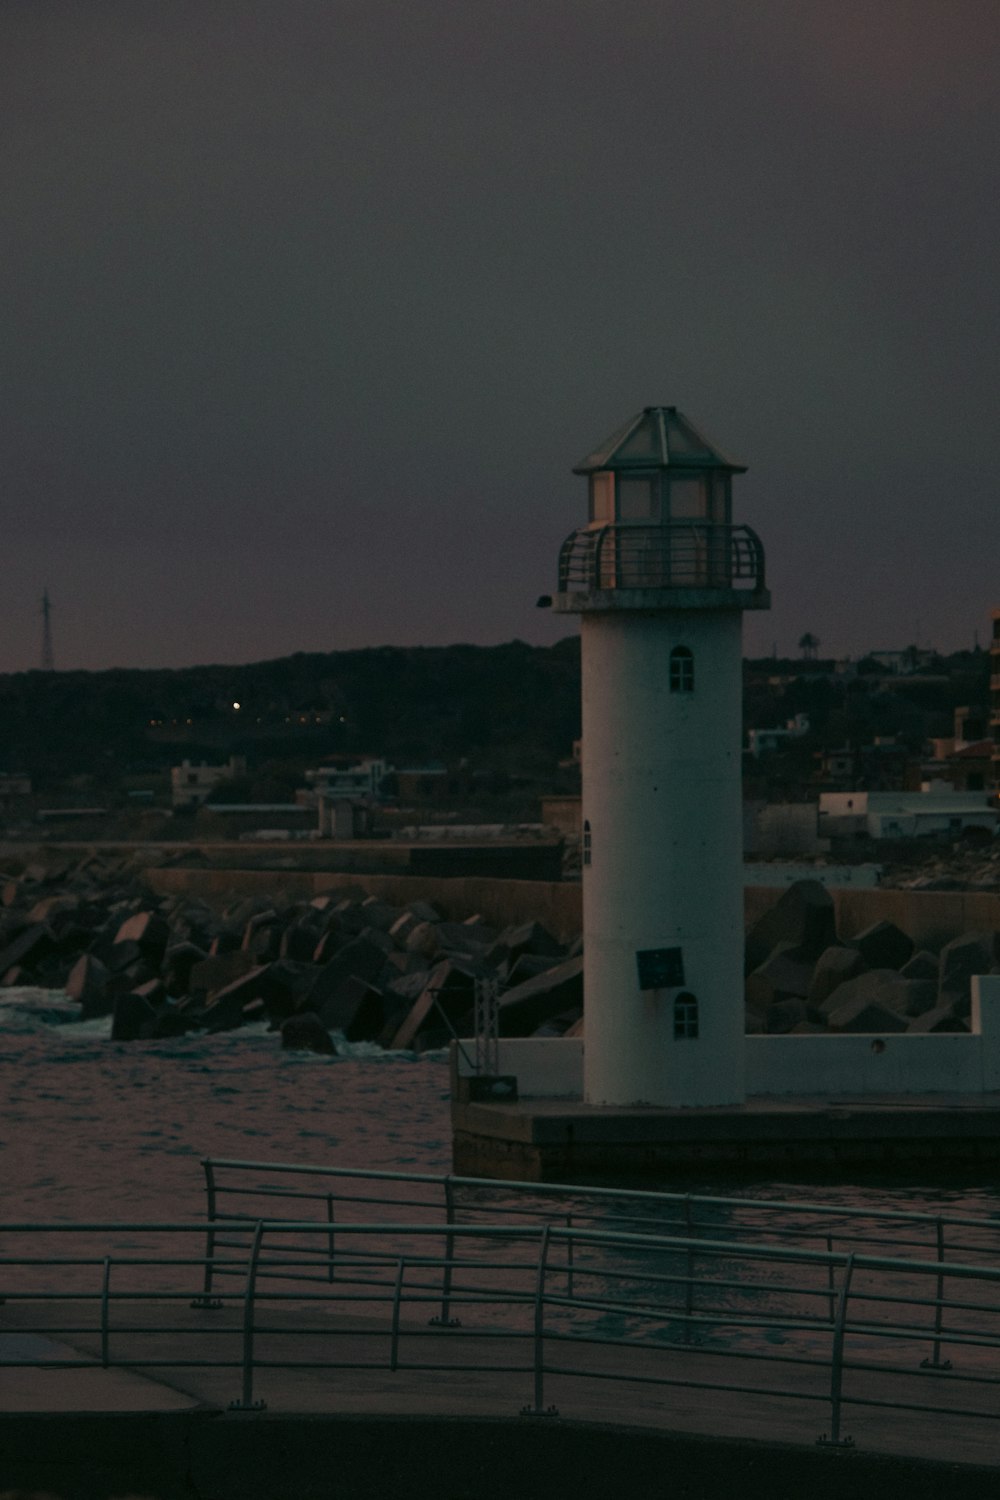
[[660, 578]]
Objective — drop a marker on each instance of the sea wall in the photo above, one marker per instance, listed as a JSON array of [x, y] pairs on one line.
[[931, 918], [556, 904]]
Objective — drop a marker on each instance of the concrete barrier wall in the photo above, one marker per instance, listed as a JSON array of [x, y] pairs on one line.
[[217, 886], [931, 918], [832, 1065], [552, 1067], [556, 904]]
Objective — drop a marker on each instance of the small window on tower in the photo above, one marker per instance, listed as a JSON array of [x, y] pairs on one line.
[[685, 1017], [681, 670], [586, 842]]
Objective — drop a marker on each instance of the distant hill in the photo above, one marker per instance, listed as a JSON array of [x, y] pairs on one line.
[[512, 708], [506, 707]]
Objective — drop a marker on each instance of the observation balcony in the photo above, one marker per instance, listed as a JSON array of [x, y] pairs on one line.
[[683, 564]]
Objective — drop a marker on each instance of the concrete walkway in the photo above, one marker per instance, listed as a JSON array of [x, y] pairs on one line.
[[27, 1387], [363, 1385]]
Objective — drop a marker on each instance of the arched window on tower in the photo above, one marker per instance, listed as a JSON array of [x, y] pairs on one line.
[[586, 841], [681, 670], [685, 1016]]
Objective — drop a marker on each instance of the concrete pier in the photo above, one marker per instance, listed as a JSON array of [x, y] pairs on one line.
[[560, 1140]]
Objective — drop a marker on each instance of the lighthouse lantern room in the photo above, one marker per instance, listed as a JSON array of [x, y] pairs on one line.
[[660, 577]]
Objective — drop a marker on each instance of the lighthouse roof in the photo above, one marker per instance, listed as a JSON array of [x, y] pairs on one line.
[[658, 437]]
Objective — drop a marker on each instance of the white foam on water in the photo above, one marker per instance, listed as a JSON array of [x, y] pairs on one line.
[[26, 1006], [98, 1027]]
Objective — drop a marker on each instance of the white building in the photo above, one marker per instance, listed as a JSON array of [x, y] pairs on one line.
[[903, 663], [899, 815], [362, 778], [767, 741], [191, 786]]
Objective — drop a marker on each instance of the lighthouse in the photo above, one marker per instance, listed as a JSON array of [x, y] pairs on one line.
[[660, 578]]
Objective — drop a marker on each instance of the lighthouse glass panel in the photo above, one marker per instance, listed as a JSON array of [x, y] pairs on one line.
[[689, 499], [638, 498], [602, 497], [640, 555], [689, 538]]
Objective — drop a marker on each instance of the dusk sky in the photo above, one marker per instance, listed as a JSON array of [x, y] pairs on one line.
[[309, 307]]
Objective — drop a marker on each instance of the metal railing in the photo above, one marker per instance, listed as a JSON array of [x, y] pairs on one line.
[[681, 554], [239, 1192], [542, 1308]]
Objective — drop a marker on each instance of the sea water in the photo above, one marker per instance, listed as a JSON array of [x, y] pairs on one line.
[[95, 1129], [92, 1129]]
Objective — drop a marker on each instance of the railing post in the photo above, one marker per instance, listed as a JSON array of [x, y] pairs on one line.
[[837, 1363], [487, 1026], [689, 1259], [444, 1319], [758, 550], [936, 1362], [247, 1403], [397, 1298], [105, 1311], [598, 582], [206, 1300], [331, 1236], [831, 1299], [569, 1257], [537, 1410]]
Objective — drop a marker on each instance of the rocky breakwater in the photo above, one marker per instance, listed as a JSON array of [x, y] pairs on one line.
[[347, 964], [802, 977], [351, 965]]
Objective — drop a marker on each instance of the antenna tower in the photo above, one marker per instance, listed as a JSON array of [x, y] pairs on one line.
[[48, 657]]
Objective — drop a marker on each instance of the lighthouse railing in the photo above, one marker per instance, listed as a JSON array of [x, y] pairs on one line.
[[682, 554]]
